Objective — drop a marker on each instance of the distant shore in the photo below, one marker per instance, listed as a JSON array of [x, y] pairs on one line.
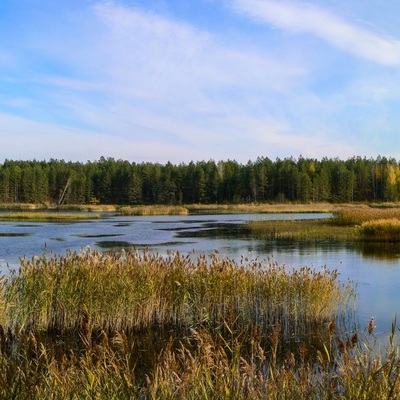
[[157, 209]]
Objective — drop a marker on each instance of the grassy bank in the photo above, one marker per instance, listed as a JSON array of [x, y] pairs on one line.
[[254, 208], [136, 325], [45, 216], [53, 207], [349, 223], [153, 210]]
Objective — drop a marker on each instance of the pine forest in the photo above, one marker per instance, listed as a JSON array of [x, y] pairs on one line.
[[110, 181]]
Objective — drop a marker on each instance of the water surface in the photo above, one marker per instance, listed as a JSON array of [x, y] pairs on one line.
[[376, 271]]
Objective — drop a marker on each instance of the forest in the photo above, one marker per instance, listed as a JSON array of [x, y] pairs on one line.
[[120, 182]]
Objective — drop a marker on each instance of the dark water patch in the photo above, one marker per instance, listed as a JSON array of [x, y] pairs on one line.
[[221, 231], [111, 244], [191, 221], [186, 228], [122, 224], [26, 225], [15, 234], [173, 243], [87, 236], [58, 239]]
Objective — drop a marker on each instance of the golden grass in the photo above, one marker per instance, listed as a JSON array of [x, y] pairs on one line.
[[358, 214], [133, 290], [50, 206], [75, 327], [153, 210], [88, 207], [46, 216], [357, 222], [23, 206], [254, 208], [310, 229], [380, 230]]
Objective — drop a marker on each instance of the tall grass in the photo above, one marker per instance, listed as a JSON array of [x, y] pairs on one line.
[[45, 216], [381, 230], [153, 210], [310, 229], [356, 215], [137, 325], [259, 208], [132, 290]]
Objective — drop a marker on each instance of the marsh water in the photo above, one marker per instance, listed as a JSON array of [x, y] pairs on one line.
[[375, 272]]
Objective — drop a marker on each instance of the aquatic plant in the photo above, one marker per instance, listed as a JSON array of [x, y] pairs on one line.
[[296, 229], [381, 230], [153, 210], [358, 214], [137, 325], [134, 290], [46, 216]]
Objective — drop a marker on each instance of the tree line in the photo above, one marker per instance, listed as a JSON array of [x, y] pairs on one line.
[[110, 181]]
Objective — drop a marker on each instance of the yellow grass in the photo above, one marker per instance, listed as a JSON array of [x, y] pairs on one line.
[[381, 230], [253, 208], [46, 216], [358, 214], [153, 210]]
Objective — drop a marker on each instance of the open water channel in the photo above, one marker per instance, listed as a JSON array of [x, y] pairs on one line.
[[376, 274]]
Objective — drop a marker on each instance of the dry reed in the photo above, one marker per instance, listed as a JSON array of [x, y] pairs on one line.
[[356, 215], [153, 210], [72, 327], [380, 230], [46, 216]]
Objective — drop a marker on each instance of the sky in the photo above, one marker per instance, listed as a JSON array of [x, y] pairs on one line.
[[192, 80]]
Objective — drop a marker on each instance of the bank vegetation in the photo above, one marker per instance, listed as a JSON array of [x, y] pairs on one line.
[[136, 325]]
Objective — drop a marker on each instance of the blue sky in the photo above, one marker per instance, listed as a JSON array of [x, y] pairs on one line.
[[183, 80]]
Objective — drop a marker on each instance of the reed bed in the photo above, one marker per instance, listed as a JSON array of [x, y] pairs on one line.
[[381, 230], [23, 206], [87, 207], [356, 215], [82, 326], [310, 229], [254, 208], [153, 210], [209, 369], [349, 223], [46, 216], [133, 290]]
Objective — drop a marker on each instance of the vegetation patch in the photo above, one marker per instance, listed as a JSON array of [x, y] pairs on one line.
[[381, 230], [256, 208], [316, 229], [351, 223], [46, 216], [136, 325], [352, 215], [153, 210]]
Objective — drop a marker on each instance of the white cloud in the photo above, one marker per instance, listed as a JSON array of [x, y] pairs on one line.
[[26, 139], [143, 87], [305, 18]]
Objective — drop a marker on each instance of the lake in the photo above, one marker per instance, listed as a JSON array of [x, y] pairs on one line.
[[376, 272]]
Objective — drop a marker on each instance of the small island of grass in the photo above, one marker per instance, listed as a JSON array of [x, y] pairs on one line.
[[352, 222]]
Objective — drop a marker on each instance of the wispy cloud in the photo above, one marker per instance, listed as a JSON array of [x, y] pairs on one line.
[[306, 18], [132, 84]]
